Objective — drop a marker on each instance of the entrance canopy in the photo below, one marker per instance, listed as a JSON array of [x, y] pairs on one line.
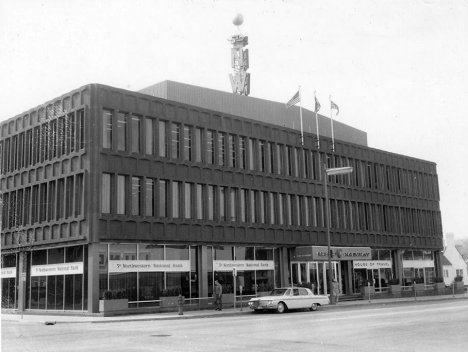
[[314, 253]]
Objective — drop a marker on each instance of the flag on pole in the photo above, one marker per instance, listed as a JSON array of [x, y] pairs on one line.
[[334, 106], [317, 105], [317, 108], [294, 100]]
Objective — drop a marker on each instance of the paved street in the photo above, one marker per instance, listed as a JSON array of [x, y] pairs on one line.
[[404, 326]]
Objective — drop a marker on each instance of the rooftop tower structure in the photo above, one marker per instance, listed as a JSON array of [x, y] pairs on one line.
[[240, 80]]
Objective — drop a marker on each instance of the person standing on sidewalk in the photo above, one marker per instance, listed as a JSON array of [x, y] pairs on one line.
[[218, 295], [336, 290]]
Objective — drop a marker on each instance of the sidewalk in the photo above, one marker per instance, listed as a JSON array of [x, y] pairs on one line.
[[196, 314]]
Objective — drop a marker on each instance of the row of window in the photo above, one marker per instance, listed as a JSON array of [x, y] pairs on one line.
[[53, 138], [126, 132], [45, 112], [54, 200], [138, 196]]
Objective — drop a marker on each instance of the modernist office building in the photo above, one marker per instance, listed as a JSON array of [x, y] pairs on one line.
[[148, 193]]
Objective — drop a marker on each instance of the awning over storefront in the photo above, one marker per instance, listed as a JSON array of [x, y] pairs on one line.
[[317, 253]]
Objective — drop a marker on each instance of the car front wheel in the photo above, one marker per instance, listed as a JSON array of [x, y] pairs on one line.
[[281, 308], [313, 307]]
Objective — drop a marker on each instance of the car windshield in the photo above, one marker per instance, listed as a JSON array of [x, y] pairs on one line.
[[278, 292]]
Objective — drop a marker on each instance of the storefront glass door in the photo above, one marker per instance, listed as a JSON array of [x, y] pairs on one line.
[[314, 273]]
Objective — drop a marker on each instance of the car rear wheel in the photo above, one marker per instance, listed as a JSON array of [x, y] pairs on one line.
[[281, 308], [313, 307]]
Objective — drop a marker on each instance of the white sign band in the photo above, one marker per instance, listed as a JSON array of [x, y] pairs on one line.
[[130, 266], [57, 269], [372, 264], [8, 273], [242, 265]]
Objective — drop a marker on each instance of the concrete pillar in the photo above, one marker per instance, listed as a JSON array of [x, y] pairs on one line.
[[284, 267], [22, 284], [349, 277], [203, 270], [397, 258], [438, 264], [93, 278]]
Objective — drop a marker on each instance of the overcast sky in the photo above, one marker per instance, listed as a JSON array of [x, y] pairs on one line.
[[397, 69]]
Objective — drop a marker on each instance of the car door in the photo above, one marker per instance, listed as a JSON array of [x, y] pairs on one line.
[[294, 301], [306, 298]]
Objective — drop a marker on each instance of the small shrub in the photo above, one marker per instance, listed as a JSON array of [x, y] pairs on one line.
[[418, 280], [394, 281], [107, 295], [267, 287], [120, 294], [458, 278], [172, 291]]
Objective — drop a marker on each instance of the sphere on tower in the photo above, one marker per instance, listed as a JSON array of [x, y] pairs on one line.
[[238, 19]]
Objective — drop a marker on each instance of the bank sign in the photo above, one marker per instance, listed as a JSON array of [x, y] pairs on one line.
[[8, 273], [57, 269], [243, 265], [131, 266], [313, 253]]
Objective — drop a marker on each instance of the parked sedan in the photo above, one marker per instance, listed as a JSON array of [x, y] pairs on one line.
[[281, 299]]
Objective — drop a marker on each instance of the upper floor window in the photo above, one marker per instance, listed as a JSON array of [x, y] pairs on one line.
[[232, 150], [136, 129], [261, 155], [188, 200], [271, 164], [162, 134], [198, 144], [121, 131], [222, 149], [211, 202], [175, 199], [188, 143], [175, 140], [136, 195], [106, 131], [210, 151], [251, 154], [163, 198], [149, 140], [280, 159], [242, 153], [150, 197], [222, 203], [121, 187]]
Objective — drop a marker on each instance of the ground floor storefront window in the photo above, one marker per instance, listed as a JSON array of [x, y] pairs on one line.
[[314, 275], [58, 279], [255, 269], [147, 273], [418, 266], [9, 280]]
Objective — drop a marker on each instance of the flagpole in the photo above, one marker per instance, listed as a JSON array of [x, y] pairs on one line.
[[300, 109], [333, 137], [316, 121]]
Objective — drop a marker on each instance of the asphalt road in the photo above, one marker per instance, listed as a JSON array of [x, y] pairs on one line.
[[418, 326]]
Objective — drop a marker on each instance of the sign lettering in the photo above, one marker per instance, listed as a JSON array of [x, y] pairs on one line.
[[127, 266], [313, 253], [57, 269], [372, 264], [241, 265], [8, 273]]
